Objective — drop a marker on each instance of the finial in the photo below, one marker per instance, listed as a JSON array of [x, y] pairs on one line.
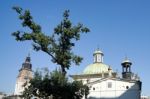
[[126, 57], [98, 47], [28, 57], [29, 52], [126, 60]]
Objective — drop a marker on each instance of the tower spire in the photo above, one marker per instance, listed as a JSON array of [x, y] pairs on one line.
[[27, 64], [28, 54]]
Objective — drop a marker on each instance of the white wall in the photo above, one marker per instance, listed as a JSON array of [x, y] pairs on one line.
[[118, 90]]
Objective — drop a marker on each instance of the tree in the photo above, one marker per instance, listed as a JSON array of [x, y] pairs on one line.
[[54, 85], [59, 45]]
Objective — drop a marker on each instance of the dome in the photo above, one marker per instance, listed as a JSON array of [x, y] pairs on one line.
[[98, 52], [126, 60], [96, 68]]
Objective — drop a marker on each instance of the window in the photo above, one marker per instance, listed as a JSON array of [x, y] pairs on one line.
[[127, 87], [109, 84], [93, 88]]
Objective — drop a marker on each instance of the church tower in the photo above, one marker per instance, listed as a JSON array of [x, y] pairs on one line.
[[25, 74], [126, 69]]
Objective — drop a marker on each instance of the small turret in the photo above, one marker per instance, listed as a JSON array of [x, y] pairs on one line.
[[126, 69], [98, 56]]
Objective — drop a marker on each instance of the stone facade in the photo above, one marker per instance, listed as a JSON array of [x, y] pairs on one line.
[[25, 75]]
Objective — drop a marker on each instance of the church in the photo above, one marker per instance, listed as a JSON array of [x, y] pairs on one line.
[[104, 83]]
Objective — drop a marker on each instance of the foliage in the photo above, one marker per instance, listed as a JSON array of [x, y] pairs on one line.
[[54, 84], [59, 44]]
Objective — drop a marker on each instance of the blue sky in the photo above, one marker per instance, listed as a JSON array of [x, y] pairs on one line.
[[119, 27]]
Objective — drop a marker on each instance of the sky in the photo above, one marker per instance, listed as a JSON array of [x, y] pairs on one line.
[[119, 28]]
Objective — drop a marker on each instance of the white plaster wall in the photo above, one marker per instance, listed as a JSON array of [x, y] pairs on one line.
[[118, 90]]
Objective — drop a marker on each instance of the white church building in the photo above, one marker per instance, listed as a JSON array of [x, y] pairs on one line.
[[104, 83]]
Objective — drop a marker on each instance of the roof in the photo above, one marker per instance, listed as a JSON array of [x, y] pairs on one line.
[[126, 60], [115, 79], [87, 76], [96, 68], [98, 52]]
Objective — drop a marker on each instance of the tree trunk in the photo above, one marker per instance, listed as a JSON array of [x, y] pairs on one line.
[[63, 70]]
